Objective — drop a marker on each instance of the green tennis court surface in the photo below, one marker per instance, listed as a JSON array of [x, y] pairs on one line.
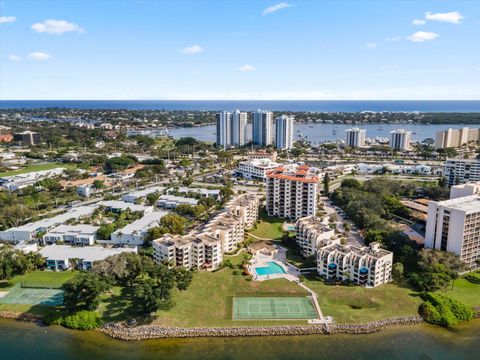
[[46, 297], [250, 308]]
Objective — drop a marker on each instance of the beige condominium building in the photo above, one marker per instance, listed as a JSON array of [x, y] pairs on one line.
[[292, 191], [456, 137], [454, 225], [368, 265], [312, 233], [204, 248]]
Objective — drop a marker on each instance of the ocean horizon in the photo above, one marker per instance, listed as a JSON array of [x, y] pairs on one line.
[[453, 106]]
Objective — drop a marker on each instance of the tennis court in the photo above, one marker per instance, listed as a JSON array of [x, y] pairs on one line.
[[277, 308], [33, 296]]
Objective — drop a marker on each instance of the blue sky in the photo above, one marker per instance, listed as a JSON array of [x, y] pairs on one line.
[[255, 49]]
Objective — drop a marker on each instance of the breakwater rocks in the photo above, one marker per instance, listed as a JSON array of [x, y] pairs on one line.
[[144, 332], [19, 316]]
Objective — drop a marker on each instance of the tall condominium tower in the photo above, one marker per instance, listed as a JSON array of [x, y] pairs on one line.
[[400, 139], [262, 128], [284, 132], [355, 137], [231, 129]]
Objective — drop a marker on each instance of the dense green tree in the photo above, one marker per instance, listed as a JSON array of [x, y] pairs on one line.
[[326, 184], [83, 291]]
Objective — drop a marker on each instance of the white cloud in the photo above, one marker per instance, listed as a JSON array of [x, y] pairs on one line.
[[194, 49], [371, 45], [56, 27], [39, 56], [246, 68], [418, 22], [394, 38], [7, 19], [453, 17], [421, 36], [14, 58], [275, 8]]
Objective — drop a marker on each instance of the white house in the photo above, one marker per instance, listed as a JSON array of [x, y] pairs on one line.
[[134, 233], [72, 234]]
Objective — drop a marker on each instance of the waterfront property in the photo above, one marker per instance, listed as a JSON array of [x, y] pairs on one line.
[[456, 138], [276, 308], [400, 139], [22, 295], [453, 225], [368, 266], [312, 233], [355, 137], [231, 129], [64, 257], [204, 247]]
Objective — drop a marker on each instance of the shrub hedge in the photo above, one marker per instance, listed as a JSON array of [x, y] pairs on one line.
[[442, 310]]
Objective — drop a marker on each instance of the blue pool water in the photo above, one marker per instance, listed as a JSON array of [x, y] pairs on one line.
[[272, 268], [291, 228]]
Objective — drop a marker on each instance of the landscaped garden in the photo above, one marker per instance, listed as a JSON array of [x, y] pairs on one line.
[[268, 227]]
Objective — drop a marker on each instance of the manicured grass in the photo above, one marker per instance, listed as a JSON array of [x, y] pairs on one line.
[[465, 291], [52, 278], [208, 300], [269, 227], [357, 304], [32, 168]]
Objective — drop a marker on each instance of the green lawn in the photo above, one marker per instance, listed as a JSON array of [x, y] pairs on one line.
[[269, 227], [358, 304], [41, 277], [37, 167], [465, 291]]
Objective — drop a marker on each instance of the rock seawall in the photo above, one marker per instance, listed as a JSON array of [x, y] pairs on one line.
[[144, 332], [19, 316]]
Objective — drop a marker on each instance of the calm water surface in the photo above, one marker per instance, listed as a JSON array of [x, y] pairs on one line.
[[327, 132], [20, 340]]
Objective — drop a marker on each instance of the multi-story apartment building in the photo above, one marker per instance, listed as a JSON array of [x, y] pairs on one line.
[[231, 129], [284, 132], [461, 171], [355, 137], [368, 266], [456, 137], [256, 169], [72, 234], [204, 248], [400, 139], [454, 225], [193, 251], [292, 191], [245, 207], [27, 138], [263, 132], [458, 191], [312, 233]]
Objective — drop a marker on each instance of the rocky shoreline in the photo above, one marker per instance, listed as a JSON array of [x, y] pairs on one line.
[[145, 332], [19, 316]]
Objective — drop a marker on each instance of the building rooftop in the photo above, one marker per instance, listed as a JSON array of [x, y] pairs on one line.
[[86, 253], [122, 205], [77, 229], [146, 222], [145, 192], [178, 199], [301, 173], [469, 204]]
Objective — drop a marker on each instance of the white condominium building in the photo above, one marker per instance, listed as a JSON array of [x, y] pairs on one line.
[[171, 201], [461, 171], [292, 192], [256, 169], [400, 139], [135, 232], [368, 266], [312, 233], [284, 132], [194, 251], [355, 137], [263, 131], [458, 191], [204, 248], [72, 234], [245, 207], [454, 225], [456, 137], [231, 129]]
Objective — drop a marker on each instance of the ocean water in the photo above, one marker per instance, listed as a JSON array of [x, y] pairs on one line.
[[251, 105], [20, 341]]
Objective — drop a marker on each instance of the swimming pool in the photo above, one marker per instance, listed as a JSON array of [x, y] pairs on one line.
[[272, 268], [291, 228]]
